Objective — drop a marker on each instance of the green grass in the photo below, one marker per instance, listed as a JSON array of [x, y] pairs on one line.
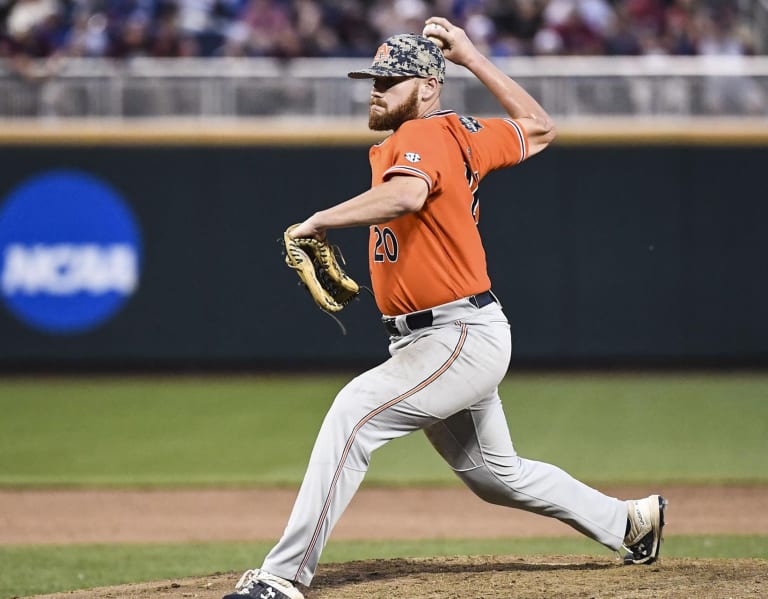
[[214, 431], [48, 569], [173, 431]]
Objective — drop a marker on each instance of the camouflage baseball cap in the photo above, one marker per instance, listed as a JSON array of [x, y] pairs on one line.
[[405, 55]]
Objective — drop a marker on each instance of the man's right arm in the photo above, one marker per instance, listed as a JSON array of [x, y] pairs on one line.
[[518, 103]]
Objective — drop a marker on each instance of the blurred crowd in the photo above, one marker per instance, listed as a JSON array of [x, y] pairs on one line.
[[123, 29]]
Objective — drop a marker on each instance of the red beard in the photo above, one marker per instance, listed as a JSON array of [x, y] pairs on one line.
[[391, 120]]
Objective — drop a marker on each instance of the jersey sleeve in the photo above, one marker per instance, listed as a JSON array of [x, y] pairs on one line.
[[499, 143], [416, 151]]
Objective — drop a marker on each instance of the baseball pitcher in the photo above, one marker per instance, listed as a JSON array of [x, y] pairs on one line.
[[449, 339]]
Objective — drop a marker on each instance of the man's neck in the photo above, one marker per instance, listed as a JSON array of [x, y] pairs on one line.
[[428, 109]]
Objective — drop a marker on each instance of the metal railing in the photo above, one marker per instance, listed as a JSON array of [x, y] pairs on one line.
[[200, 88]]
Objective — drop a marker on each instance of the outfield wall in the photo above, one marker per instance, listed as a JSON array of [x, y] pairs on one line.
[[633, 250]]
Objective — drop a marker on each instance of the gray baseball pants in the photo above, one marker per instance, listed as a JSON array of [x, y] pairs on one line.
[[442, 379]]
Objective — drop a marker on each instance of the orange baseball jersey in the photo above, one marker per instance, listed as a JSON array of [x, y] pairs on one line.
[[435, 255]]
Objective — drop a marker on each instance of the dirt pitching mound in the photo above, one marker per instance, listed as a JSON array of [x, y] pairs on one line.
[[541, 577]]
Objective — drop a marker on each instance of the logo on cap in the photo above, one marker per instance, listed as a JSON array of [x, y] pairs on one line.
[[382, 53]]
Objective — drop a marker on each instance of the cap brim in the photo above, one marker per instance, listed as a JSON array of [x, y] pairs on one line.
[[372, 72]]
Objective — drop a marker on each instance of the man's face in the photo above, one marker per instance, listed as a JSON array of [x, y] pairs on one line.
[[394, 100]]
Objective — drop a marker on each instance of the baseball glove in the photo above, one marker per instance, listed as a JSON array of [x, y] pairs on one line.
[[318, 268]]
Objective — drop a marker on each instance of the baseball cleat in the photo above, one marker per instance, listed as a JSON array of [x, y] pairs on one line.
[[646, 521], [263, 585]]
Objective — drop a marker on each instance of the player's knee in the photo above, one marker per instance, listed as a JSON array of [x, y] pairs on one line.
[[492, 483]]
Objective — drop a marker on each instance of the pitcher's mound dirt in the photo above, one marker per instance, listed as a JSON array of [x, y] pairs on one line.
[[487, 577]]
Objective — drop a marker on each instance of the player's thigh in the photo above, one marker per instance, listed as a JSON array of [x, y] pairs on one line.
[[378, 397], [435, 375], [473, 360], [439, 373]]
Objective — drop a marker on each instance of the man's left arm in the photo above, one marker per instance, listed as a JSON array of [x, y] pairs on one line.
[[398, 195]]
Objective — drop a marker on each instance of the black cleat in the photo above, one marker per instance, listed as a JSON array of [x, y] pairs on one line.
[[258, 584]]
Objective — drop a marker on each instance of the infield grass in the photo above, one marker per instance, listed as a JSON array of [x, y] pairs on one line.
[[47, 569], [240, 430]]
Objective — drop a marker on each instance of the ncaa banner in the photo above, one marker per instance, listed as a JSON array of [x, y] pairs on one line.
[[70, 252]]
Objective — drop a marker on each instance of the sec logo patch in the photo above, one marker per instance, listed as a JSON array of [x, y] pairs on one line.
[[412, 157]]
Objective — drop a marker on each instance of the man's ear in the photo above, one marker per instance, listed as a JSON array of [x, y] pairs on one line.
[[430, 88]]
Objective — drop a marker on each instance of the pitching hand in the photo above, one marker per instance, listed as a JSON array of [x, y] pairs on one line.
[[457, 47]]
